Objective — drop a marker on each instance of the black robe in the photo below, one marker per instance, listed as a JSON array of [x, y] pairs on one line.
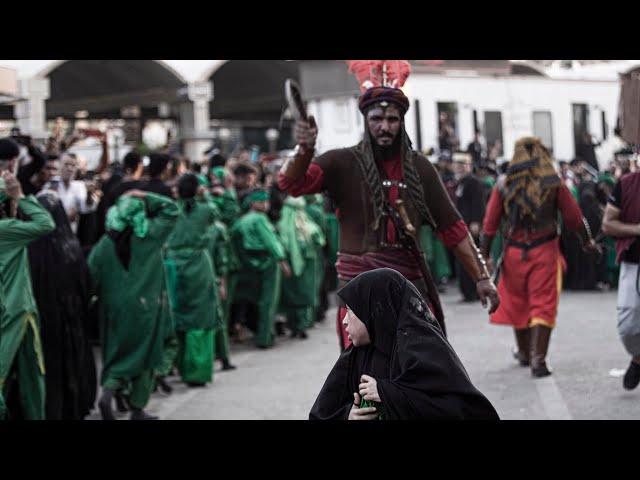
[[419, 375], [61, 286]]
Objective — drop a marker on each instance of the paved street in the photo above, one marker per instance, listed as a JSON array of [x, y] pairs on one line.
[[282, 383]]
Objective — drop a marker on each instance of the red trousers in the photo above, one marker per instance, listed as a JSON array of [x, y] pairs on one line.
[[529, 289]]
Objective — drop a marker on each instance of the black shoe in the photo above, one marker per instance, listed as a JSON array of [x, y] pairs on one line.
[[280, 331], [303, 335], [121, 403], [226, 365], [104, 404], [196, 384], [632, 376], [522, 360], [541, 371], [164, 386], [140, 414]]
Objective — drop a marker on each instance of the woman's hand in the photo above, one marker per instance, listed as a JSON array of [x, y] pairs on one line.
[[369, 388], [358, 413]]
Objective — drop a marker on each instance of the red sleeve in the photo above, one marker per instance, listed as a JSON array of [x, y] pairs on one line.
[[571, 213], [311, 183], [493, 214], [453, 234]]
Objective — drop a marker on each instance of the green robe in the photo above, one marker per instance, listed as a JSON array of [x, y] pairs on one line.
[[195, 294], [219, 249], [133, 303], [196, 291], [303, 240], [258, 279], [19, 326], [435, 253], [228, 205]]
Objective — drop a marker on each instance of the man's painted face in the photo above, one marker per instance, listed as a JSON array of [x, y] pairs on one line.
[[384, 124], [357, 331]]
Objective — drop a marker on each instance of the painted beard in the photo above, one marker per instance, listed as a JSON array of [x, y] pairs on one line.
[[385, 152]]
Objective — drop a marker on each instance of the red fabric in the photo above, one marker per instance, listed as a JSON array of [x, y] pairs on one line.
[[393, 170], [629, 211], [529, 289], [311, 183], [453, 234], [350, 266], [493, 215], [343, 337], [571, 215]]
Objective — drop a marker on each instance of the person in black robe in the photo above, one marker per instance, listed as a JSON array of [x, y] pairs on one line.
[[159, 164], [407, 370], [61, 285], [470, 201]]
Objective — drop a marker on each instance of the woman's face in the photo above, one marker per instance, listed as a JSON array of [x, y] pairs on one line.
[[356, 330]]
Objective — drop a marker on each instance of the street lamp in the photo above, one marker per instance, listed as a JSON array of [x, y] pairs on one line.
[[225, 135], [272, 137]]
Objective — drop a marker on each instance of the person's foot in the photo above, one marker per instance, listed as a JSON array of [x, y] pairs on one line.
[[140, 414], [121, 403], [520, 357], [196, 384], [280, 330], [226, 365], [632, 376], [541, 371], [303, 335], [104, 405], [164, 386]]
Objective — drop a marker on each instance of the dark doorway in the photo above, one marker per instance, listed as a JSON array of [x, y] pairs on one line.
[[580, 123], [448, 137]]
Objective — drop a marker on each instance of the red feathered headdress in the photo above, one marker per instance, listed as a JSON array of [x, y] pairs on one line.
[[380, 73]]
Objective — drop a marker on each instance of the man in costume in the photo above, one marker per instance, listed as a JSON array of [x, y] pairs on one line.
[[622, 221], [262, 258], [529, 199], [365, 181], [128, 275], [21, 359]]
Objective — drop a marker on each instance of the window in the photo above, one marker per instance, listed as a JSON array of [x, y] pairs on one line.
[[493, 133], [416, 104], [542, 128], [580, 123], [448, 126]]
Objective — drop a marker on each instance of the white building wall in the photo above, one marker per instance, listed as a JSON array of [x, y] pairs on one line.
[[515, 97]]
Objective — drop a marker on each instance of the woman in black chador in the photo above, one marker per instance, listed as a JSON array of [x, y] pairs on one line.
[[61, 284], [399, 366]]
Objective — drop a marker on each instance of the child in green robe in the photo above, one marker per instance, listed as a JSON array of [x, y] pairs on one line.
[[261, 258]]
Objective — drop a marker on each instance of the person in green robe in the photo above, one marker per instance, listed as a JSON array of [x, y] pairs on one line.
[[127, 270], [219, 249], [302, 240], [225, 196], [22, 370], [196, 299], [315, 210], [262, 262]]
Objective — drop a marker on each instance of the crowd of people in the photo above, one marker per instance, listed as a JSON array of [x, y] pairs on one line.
[[470, 176], [145, 268], [162, 262]]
